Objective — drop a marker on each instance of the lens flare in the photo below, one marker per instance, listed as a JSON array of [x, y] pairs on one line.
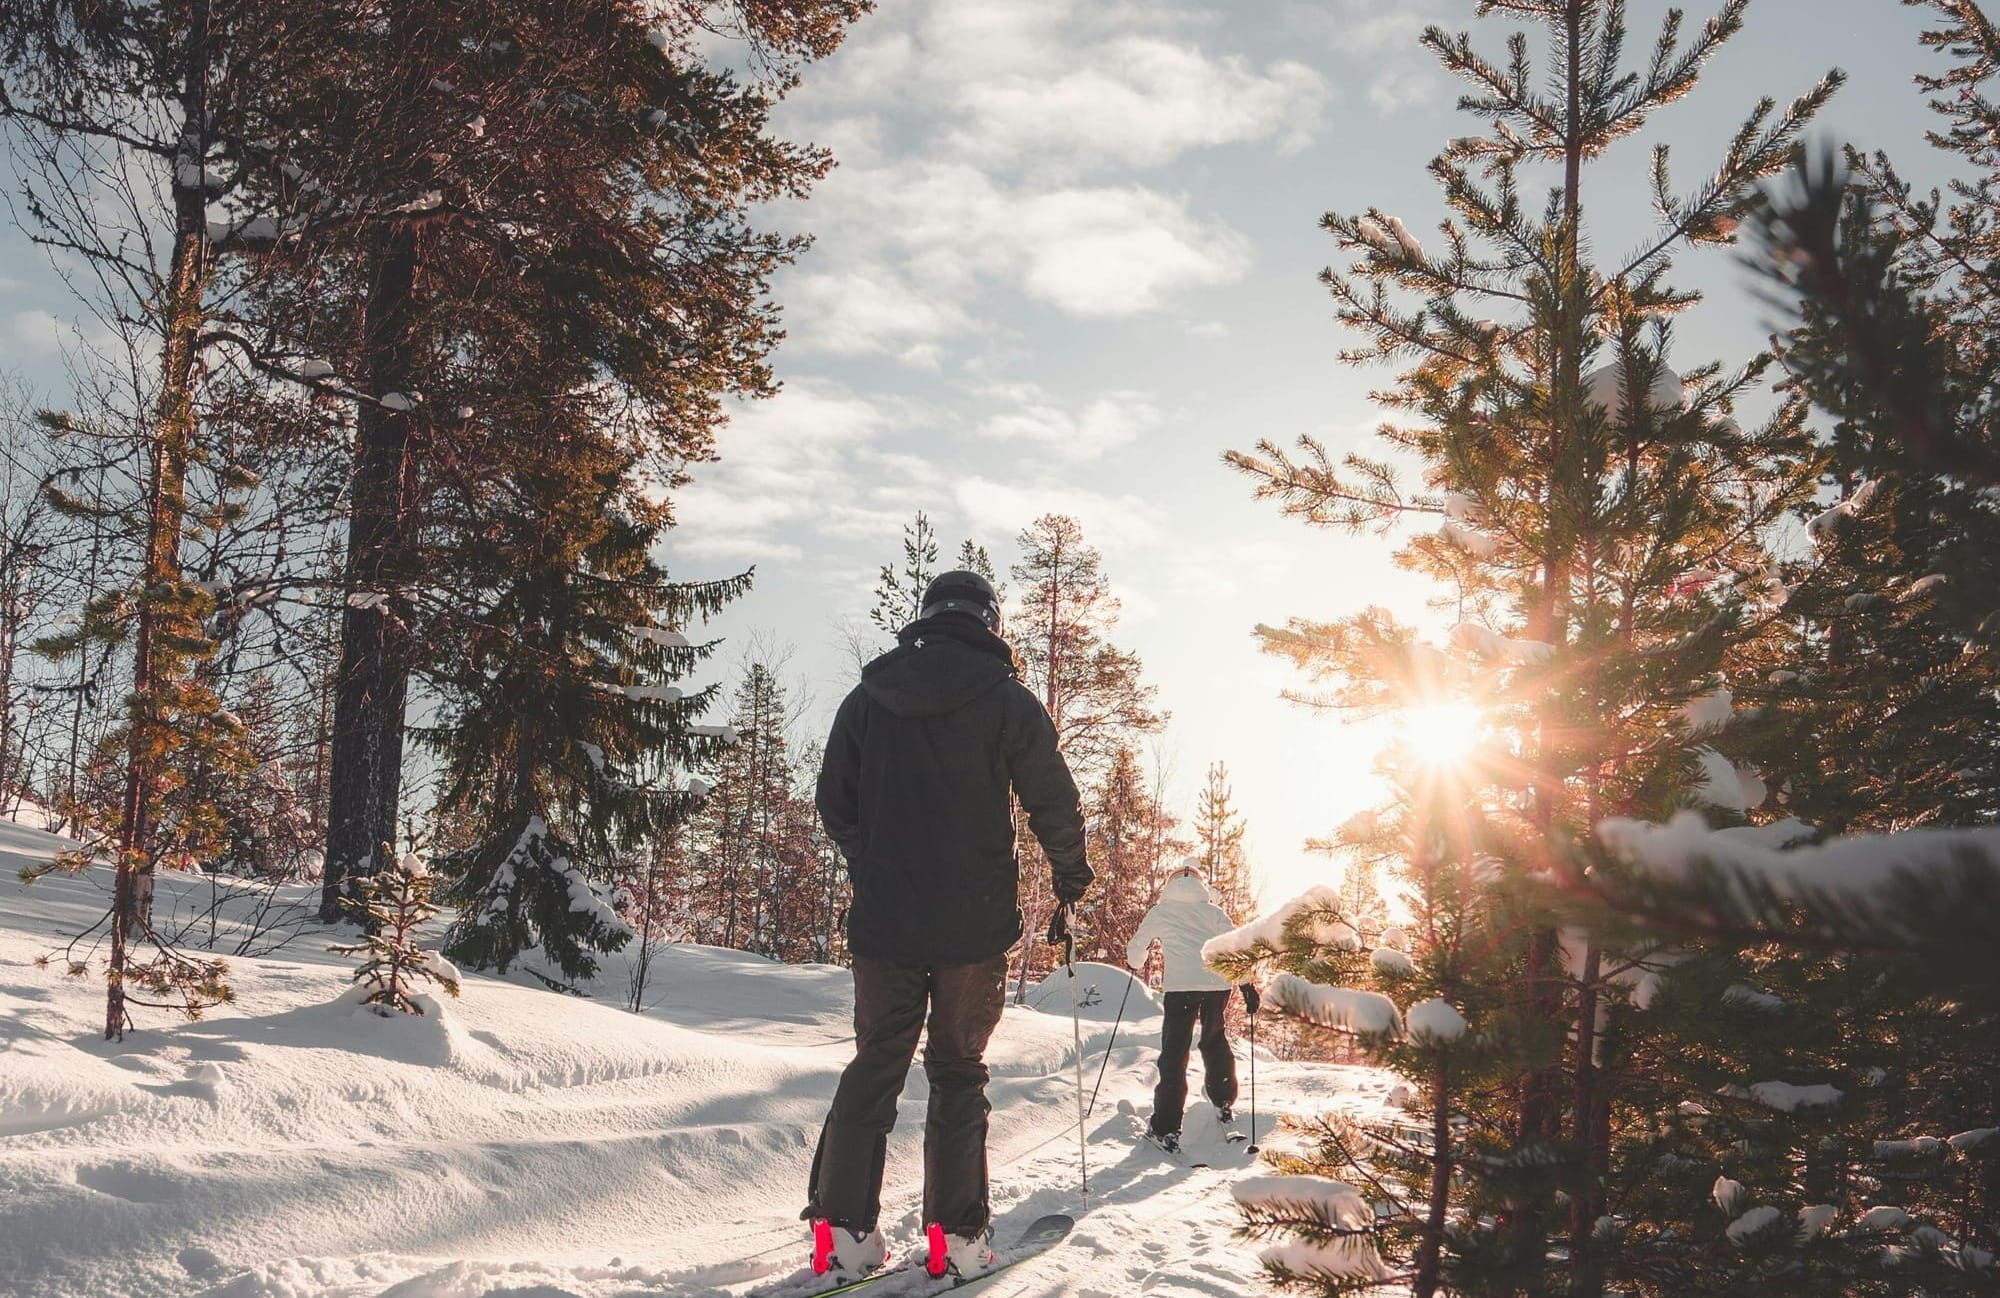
[[1439, 734]]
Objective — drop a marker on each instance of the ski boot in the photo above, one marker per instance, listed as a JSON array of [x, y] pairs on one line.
[[850, 1252], [1170, 1141], [963, 1256]]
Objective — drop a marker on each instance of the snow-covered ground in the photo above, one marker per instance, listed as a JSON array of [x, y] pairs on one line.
[[533, 1144]]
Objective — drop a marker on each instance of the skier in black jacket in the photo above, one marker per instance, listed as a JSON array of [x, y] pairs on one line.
[[924, 758]]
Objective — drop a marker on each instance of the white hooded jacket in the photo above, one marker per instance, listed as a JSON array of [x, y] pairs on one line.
[[1184, 919]]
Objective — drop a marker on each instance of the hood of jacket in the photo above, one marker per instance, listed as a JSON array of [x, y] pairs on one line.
[[941, 664], [1185, 889]]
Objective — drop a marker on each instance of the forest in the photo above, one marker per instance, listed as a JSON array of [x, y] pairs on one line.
[[340, 559]]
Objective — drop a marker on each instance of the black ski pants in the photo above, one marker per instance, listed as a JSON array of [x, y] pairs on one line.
[[1218, 1064], [890, 1003]]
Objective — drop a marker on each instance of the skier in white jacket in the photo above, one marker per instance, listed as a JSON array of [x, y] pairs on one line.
[[1184, 919]]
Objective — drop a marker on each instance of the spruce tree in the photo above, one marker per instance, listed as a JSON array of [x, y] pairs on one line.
[[1581, 484], [1864, 964], [390, 981], [1218, 832], [1119, 822], [566, 742], [899, 595]]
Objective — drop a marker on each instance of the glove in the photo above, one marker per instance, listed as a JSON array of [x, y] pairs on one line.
[[1059, 923], [1252, 998]]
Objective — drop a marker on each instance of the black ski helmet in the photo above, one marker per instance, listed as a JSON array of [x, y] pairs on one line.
[[963, 592]]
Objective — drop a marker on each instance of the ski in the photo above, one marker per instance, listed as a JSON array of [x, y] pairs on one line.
[[1042, 1234]]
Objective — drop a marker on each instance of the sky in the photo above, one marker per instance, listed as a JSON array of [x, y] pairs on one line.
[[1068, 257]]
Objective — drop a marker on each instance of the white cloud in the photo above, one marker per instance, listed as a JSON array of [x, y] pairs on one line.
[[1100, 252], [868, 307], [1138, 101], [38, 333], [1109, 522], [804, 463], [1113, 420], [964, 129], [935, 233]]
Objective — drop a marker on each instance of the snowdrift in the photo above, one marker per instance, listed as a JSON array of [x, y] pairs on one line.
[[523, 1142]]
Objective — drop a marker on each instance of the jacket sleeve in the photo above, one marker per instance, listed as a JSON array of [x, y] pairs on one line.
[[839, 793], [1042, 782], [1135, 950]]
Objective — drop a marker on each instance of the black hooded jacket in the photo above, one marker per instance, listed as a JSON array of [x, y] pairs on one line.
[[915, 791]]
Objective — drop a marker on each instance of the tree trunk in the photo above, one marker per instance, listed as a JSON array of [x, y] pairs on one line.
[[1586, 1205], [364, 781], [1430, 1251]]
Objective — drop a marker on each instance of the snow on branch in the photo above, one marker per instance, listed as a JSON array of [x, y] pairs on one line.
[[1312, 916], [1344, 1009], [1332, 1224], [1856, 868]]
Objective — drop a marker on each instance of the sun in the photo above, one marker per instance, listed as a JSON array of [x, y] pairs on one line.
[[1439, 734]]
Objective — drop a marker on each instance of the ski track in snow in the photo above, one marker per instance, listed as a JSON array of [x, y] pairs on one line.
[[535, 1145]]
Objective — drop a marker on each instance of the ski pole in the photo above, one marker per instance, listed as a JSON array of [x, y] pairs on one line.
[[1108, 1045], [1253, 1083], [1076, 1030]]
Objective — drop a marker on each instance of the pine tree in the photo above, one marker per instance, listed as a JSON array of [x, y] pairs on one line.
[[1861, 968], [393, 905], [1218, 831], [899, 595], [1119, 820], [496, 179], [1584, 487], [1091, 688], [153, 106], [565, 741]]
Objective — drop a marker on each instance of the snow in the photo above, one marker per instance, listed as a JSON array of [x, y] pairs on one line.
[[1392, 963], [1915, 1145], [1923, 586], [1720, 784], [1434, 1020], [1814, 1219], [727, 734], [651, 695], [1341, 1207], [1973, 1139], [1343, 1008], [1265, 936], [1786, 1097], [1823, 525], [315, 369], [1373, 233], [1604, 387], [1404, 239], [529, 1143], [1480, 545], [1852, 867], [1752, 1222], [401, 400], [1727, 1193], [1885, 1216], [660, 636], [1751, 998], [1709, 712], [1461, 508], [1476, 639]]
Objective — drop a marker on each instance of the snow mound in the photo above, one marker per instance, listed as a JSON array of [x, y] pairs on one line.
[[1099, 988]]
